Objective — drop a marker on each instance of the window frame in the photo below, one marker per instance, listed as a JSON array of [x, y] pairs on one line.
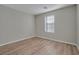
[[53, 24]]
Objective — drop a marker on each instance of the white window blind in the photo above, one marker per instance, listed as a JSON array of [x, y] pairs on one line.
[[49, 23]]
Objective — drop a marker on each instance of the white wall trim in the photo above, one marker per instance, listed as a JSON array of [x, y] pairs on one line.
[[16, 40], [39, 37], [57, 40]]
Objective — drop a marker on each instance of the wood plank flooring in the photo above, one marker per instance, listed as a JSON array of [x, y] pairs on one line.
[[38, 46]]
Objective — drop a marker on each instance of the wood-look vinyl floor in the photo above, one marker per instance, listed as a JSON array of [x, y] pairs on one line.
[[38, 46]]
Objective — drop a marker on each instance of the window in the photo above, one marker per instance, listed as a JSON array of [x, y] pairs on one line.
[[49, 23]]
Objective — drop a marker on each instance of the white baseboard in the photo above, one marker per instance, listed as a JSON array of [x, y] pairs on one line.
[[57, 40], [16, 40], [39, 37]]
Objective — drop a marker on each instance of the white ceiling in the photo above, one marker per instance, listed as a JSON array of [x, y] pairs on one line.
[[36, 8]]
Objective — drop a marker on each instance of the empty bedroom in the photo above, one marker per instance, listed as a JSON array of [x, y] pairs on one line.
[[39, 29]]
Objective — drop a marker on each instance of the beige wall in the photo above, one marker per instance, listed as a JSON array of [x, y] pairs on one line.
[[65, 25], [78, 25], [15, 25]]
